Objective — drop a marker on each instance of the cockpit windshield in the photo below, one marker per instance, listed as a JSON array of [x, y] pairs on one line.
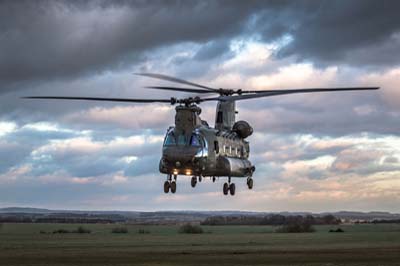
[[170, 139], [182, 139], [194, 140]]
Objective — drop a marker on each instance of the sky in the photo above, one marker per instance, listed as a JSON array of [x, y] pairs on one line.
[[313, 152]]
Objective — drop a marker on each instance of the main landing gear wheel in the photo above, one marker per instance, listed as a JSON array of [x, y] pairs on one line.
[[170, 184], [250, 183], [193, 181], [167, 186], [225, 188], [232, 189], [173, 186], [229, 187]]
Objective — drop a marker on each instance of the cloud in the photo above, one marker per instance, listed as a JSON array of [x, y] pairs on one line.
[[310, 150], [130, 117], [47, 40], [362, 33]]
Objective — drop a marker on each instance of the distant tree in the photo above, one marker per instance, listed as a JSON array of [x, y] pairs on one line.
[[61, 231], [190, 229], [339, 230], [330, 219], [82, 230], [143, 231], [119, 230], [296, 227]]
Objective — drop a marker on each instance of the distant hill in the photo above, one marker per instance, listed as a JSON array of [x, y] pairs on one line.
[[24, 210], [366, 215], [26, 214]]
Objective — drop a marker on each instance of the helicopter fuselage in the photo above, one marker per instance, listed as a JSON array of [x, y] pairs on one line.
[[193, 148]]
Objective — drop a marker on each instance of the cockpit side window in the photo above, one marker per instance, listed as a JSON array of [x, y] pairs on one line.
[[195, 141], [170, 139]]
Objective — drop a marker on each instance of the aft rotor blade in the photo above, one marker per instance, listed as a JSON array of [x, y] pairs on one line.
[[173, 79], [269, 93], [179, 89], [101, 99]]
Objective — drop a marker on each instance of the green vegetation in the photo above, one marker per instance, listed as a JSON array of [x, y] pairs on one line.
[[79, 230], [143, 231], [363, 244], [296, 227], [271, 219], [339, 230], [190, 229], [120, 230]]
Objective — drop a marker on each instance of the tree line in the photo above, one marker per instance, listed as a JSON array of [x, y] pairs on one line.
[[273, 219]]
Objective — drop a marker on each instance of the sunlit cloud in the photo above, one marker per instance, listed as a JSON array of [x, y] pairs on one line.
[[312, 152], [7, 127]]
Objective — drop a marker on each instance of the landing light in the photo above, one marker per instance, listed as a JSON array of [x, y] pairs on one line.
[[188, 172], [175, 172]]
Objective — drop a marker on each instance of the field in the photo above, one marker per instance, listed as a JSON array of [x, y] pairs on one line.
[[23, 244]]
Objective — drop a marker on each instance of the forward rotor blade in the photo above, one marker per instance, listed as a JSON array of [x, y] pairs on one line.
[[313, 90], [179, 89], [101, 99], [269, 93], [173, 79]]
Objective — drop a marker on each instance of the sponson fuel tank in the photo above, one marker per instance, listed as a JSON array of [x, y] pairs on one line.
[[234, 166]]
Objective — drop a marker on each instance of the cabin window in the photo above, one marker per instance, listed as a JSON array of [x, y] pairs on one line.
[[219, 117], [216, 147], [195, 141], [170, 139]]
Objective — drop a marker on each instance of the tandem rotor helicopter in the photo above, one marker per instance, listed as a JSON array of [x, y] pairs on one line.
[[192, 147]]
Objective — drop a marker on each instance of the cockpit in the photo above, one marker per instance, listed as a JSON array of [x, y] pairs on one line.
[[194, 140], [182, 140]]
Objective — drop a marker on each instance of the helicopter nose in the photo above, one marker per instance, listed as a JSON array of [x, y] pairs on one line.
[[179, 156]]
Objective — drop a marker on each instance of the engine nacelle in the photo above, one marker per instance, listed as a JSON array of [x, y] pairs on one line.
[[243, 129]]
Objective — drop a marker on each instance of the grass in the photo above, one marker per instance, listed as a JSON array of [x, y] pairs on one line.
[[22, 244]]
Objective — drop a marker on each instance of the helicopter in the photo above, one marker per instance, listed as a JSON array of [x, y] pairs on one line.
[[194, 148]]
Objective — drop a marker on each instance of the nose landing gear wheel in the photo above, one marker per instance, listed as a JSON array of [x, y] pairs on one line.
[[193, 181], [225, 188], [173, 186], [250, 183], [167, 186], [232, 189]]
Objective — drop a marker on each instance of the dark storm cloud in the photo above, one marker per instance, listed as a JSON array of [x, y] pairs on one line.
[[42, 40], [48, 39], [354, 32]]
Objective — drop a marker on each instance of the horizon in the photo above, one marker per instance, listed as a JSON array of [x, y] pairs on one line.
[[188, 210]]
